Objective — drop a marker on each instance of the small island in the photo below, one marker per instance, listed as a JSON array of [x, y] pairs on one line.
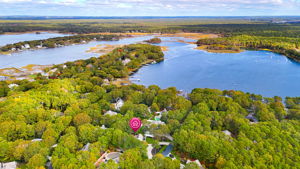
[[154, 40]]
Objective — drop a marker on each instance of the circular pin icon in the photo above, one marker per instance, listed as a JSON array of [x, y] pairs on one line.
[[135, 124]]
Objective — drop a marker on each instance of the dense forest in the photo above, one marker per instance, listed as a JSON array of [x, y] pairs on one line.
[[53, 119], [56, 42], [224, 26]]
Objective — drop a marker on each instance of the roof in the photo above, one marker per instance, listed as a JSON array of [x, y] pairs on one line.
[[115, 156], [86, 147], [119, 104], [9, 165], [252, 118], [226, 132], [195, 161], [156, 122], [37, 139], [111, 113]]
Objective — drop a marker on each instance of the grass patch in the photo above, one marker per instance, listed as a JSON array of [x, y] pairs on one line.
[[150, 140]]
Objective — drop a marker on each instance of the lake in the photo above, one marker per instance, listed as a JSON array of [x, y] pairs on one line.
[[14, 38], [186, 68]]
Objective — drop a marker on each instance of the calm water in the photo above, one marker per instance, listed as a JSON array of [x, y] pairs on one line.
[[9, 39], [58, 55], [259, 72]]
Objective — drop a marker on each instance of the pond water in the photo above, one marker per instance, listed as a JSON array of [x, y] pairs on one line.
[[58, 55], [14, 38], [186, 68]]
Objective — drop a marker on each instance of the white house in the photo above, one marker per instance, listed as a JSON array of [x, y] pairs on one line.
[[9, 165], [157, 122], [227, 133], [197, 162], [115, 156], [126, 61], [12, 85], [37, 139], [119, 104], [111, 113], [27, 46], [55, 145], [103, 127], [147, 134], [86, 147], [140, 137]]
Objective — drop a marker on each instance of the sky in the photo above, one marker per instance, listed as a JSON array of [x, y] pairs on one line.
[[149, 7]]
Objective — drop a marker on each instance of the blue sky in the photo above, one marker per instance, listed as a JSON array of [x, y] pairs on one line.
[[149, 7]]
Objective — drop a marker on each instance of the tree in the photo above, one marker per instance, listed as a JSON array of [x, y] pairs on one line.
[[130, 159], [81, 118], [4, 89], [36, 161]]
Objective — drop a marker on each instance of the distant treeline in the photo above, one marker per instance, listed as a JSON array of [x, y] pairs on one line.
[[58, 41], [225, 27], [282, 45]]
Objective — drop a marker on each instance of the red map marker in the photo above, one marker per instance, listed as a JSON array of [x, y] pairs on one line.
[[135, 124]]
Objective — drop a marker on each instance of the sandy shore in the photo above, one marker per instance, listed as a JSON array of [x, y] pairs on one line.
[[203, 47]]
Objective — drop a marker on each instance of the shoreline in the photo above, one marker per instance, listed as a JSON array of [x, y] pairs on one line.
[[193, 36], [203, 48], [28, 32]]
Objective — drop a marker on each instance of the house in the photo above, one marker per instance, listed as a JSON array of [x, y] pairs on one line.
[[111, 113], [55, 145], [103, 127], [115, 156], [9, 165], [197, 162], [119, 104], [183, 94], [105, 82], [157, 122], [86, 147], [90, 66], [140, 137], [126, 61], [37, 139], [49, 165], [12, 85], [147, 134], [252, 118], [227, 133], [27, 46]]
